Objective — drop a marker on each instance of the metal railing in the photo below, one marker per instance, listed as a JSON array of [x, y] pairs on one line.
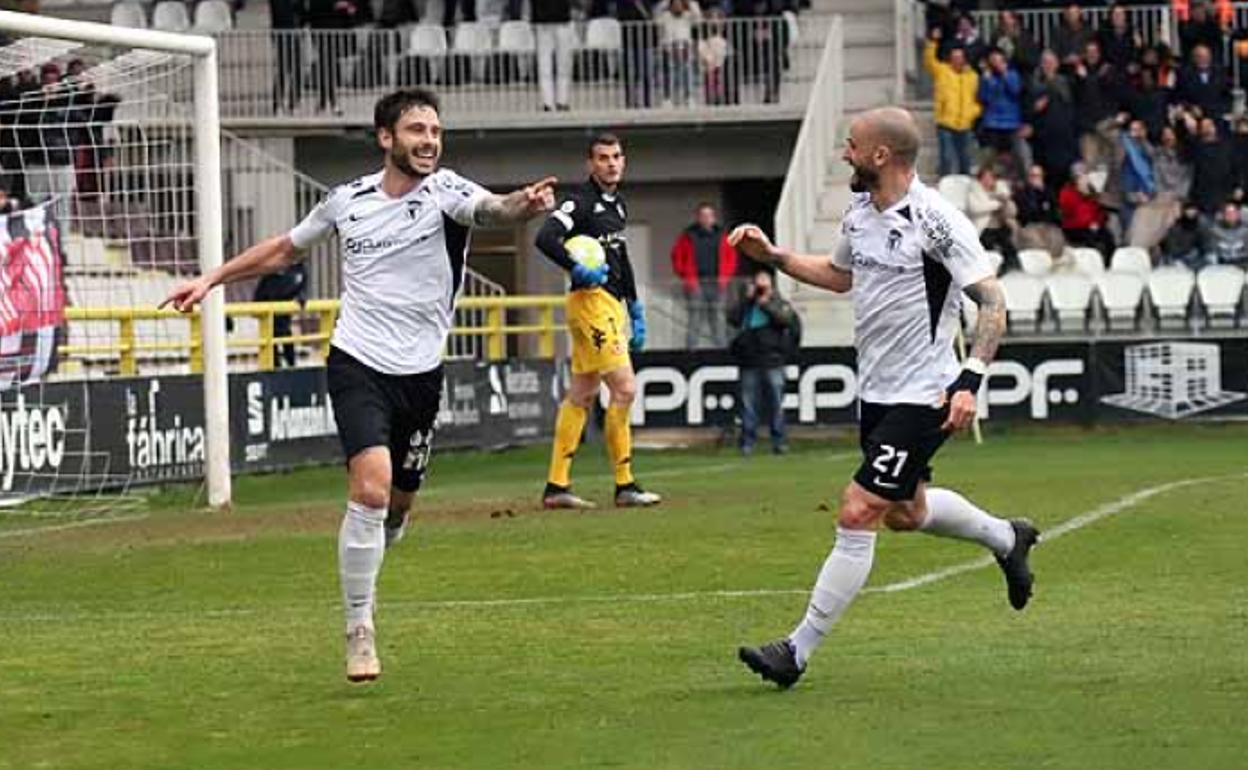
[[500, 319], [487, 75], [804, 180]]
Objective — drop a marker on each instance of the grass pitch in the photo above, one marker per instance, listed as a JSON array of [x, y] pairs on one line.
[[515, 638]]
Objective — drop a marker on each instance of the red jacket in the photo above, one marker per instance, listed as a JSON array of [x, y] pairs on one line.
[[685, 266], [1079, 211]]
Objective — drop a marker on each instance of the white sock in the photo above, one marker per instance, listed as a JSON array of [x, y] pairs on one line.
[[361, 547], [842, 577], [952, 515]]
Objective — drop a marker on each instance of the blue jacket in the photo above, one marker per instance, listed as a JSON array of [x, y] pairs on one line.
[[1001, 96]]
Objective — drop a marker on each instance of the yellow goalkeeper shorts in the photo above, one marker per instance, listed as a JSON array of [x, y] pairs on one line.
[[599, 327]]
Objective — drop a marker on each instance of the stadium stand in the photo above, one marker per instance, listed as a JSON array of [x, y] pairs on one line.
[[1035, 261], [1121, 293], [1170, 290], [1024, 301], [1087, 261], [1221, 293], [1070, 296]]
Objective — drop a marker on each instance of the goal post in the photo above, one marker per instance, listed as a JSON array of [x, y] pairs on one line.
[[206, 165]]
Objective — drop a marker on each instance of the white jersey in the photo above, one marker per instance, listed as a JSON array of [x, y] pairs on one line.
[[403, 265], [910, 264]]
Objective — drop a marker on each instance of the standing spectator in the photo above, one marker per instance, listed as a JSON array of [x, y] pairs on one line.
[[768, 332], [705, 265], [1213, 166], [552, 25], [1019, 47], [956, 107], [1200, 29], [1184, 241], [769, 41], [676, 20], [289, 285], [1001, 97], [1139, 186], [1072, 36], [1097, 94], [1239, 150], [1203, 84], [1147, 101], [1038, 216], [46, 145], [1083, 219], [1172, 176], [1054, 136], [714, 52], [468, 8], [329, 20], [284, 22], [1226, 240], [965, 36], [991, 209], [1120, 44], [640, 39]]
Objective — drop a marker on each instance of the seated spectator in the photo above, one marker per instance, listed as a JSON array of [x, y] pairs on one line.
[[1083, 219], [1038, 216], [1097, 92], [992, 211], [956, 108], [1001, 98], [1072, 36], [1200, 29], [1204, 85], [1052, 119], [1213, 164], [1225, 242], [1120, 43], [1184, 241], [1172, 179], [1020, 48]]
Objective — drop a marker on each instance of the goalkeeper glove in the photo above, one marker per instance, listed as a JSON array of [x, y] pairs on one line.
[[584, 277], [637, 312]]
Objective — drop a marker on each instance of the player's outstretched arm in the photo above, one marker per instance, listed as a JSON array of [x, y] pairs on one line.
[[268, 256], [989, 330], [807, 268], [517, 206]]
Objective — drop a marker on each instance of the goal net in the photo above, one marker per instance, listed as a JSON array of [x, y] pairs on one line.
[[109, 195]]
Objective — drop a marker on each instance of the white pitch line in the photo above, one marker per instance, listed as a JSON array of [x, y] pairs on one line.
[[30, 531]]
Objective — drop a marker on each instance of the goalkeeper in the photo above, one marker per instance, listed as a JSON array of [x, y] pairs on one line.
[[602, 305]]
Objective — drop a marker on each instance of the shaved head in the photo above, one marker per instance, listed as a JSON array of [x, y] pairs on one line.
[[894, 128]]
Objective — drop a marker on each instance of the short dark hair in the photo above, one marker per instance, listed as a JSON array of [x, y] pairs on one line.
[[705, 205], [392, 106], [605, 139]]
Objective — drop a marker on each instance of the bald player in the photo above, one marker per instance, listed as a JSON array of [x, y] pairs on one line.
[[909, 256]]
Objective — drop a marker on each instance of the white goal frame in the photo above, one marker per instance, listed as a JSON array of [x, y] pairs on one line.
[[207, 160]]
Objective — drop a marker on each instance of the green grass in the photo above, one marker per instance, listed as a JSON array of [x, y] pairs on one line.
[[196, 640]]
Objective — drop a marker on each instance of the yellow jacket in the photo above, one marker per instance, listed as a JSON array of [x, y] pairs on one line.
[[957, 93]]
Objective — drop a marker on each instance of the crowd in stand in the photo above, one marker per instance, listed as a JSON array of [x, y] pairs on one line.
[[1099, 139]]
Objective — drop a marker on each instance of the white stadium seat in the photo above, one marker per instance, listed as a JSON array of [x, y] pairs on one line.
[[1024, 298], [128, 14], [1170, 289], [1221, 290], [1035, 261], [427, 40], [1131, 259], [516, 37], [955, 188], [472, 38], [1121, 294], [1087, 260], [604, 34], [1070, 294], [171, 16], [213, 16]]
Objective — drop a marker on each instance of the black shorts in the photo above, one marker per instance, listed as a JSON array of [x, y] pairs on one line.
[[397, 411], [898, 441]]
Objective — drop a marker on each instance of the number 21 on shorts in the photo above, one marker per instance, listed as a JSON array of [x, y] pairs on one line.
[[888, 454]]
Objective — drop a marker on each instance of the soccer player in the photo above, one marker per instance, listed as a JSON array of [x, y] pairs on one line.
[[908, 255], [605, 319], [404, 232]]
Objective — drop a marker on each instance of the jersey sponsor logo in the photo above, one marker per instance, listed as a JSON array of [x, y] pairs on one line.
[[863, 262]]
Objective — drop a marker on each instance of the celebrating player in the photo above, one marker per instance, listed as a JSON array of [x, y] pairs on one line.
[[404, 232], [907, 254], [597, 303]]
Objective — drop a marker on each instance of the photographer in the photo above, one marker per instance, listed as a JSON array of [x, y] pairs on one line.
[[768, 332]]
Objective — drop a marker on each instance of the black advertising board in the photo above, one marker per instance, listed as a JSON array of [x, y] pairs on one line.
[[281, 419], [151, 429], [44, 434]]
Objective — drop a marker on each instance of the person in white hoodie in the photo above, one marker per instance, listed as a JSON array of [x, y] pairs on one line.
[[991, 209]]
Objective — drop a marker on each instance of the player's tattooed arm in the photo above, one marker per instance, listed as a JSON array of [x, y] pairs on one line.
[[990, 327], [518, 206]]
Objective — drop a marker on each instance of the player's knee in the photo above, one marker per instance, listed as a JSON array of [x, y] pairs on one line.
[[583, 399], [623, 393], [370, 481], [903, 518], [860, 512]]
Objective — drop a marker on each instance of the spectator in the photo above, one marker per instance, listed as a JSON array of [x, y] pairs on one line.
[[714, 52], [640, 40], [1139, 186], [289, 285], [8, 204], [468, 8], [1239, 150], [965, 36], [1172, 178], [1097, 94], [328, 20], [956, 108], [705, 265], [46, 146], [1184, 241], [284, 22], [769, 42], [1038, 216], [556, 39], [1225, 242], [1019, 47], [1203, 84], [1201, 29], [768, 333], [1072, 36], [676, 20], [1054, 138], [1083, 218], [1148, 102], [992, 211], [1213, 165], [1001, 98], [1120, 44]]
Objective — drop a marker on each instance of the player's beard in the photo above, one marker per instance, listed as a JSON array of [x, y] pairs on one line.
[[401, 159], [864, 179]]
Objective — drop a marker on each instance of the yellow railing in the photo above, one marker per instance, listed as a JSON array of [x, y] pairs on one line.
[[496, 330]]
